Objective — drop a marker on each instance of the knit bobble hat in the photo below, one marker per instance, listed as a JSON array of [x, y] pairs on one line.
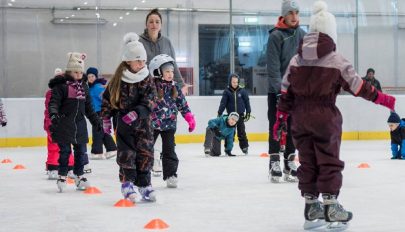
[[289, 5], [93, 71], [394, 118], [323, 21], [133, 49], [76, 62]]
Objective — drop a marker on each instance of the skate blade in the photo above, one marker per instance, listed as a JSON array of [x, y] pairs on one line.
[[315, 225], [157, 173], [275, 179], [337, 226], [290, 178]]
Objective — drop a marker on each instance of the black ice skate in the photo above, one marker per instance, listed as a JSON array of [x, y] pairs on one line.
[[314, 213], [290, 169], [335, 215], [275, 173]]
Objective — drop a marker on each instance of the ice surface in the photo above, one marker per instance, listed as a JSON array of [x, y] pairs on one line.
[[214, 194]]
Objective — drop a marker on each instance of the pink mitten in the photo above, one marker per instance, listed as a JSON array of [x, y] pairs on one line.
[[130, 117], [107, 125], [385, 100], [281, 121], [189, 117]]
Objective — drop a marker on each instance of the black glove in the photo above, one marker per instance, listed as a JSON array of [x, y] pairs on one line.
[[55, 118], [216, 131], [247, 117], [3, 124], [229, 153]]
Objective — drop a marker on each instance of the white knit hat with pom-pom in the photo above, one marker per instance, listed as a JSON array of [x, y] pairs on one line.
[[133, 49], [323, 21]]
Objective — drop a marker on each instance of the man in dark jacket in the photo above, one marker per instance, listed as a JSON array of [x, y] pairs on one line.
[[370, 78], [236, 99], [282, 45]]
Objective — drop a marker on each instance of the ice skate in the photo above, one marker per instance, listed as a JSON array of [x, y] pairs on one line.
[[97, 156], [130, 191], [207, 151], [81, 183], [245, 151], [171, 182], [53, 175], [61, 183], [147, 193], [314, 213], [157, 167], [110, 154], [335, 215], [290, 169], [275, 172], [87, 168]]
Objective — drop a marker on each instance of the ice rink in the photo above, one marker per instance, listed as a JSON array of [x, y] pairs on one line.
[[214, 194]]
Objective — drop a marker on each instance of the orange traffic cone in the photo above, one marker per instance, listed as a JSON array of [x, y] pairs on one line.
[[156, 224], [92, 190], [364, 165], [124, 203], [19, 167], [6, 161], [264, 155]]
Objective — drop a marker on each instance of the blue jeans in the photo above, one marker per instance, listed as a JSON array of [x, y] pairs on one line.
[[80, 156]]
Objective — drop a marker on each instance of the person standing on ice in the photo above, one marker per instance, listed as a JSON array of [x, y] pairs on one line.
[[282, 44], [309, 89], [132, 94], [70, 103], [170, 102]]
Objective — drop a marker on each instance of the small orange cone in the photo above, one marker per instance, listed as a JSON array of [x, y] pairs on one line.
[[92, 190], [364, 165], [19, 167], [70, 181], [156, 224], [264, 155], [6, 161], [124, 203]]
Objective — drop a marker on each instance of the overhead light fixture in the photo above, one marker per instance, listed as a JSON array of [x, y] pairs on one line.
[[127, 13], [114, 24], [79, 21], [10, 4], [251, 20], [135, 8], [121, 17], [244, 44], [181, 59]]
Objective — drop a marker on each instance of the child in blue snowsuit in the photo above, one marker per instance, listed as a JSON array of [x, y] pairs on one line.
[[397, 134], [220, 128]]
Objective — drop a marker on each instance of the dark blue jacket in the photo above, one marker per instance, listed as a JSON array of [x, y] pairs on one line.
[[398, 140], [234, 100]]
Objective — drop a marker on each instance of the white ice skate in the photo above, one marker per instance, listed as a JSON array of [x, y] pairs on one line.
[[130, 192], [53, 175], [71, 175], [81, 183], [110, 154], [61, 183], [171, 182], [157, 167], [290, 169], [148, 194], [275, 172], [87, 168], [97, 156]]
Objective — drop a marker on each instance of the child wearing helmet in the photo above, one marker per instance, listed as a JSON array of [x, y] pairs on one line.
[[170, 102]]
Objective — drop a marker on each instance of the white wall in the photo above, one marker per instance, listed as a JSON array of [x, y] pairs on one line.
[[25, 115]]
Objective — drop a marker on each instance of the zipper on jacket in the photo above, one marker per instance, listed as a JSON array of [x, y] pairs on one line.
[[74, 120], [236, 106]]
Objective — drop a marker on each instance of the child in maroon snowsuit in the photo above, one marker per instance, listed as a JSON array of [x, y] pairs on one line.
[[309, 89]]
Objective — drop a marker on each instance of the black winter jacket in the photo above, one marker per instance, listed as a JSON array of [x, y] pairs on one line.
[[72, 127], [234, 100]]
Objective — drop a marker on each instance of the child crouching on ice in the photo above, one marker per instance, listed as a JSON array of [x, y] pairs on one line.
[[220, 128], [170, 102], [397, 134]]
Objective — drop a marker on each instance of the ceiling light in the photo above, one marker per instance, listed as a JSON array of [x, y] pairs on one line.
[[79, 21], [121, 17], [12, 0], [73, 15], [66, 17], [78, 8], [143, 1], [114, 24], [96, 8], [10, 4], [135, 8], [127, 13], [85, 3]]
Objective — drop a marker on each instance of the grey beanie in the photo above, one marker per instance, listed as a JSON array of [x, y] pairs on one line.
[[289, 5]]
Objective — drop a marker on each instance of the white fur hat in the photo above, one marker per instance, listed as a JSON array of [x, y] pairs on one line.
[[133, 49], [76, 62], [323, 21]]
